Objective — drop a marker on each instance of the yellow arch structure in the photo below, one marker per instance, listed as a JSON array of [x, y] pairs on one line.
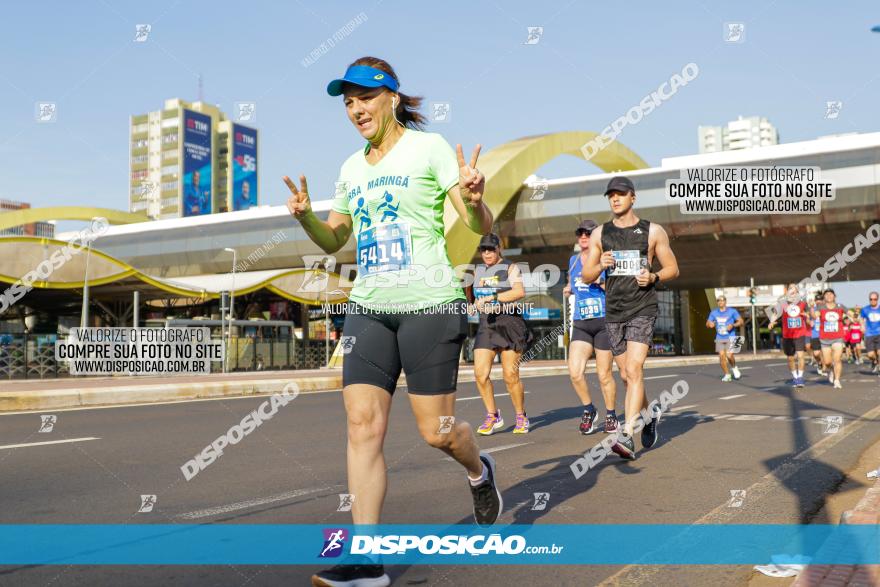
[[30, 215], [31, 251], [507, 166]]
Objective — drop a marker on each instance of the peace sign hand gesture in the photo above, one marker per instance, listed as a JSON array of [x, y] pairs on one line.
[[470, 181], [298, 203]]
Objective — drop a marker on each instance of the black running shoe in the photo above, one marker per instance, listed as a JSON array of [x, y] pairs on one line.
[[649, 432], [624, 447], [352, 575], [588, 422], [487, 499]]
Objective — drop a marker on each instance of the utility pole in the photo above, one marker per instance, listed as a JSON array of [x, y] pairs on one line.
[[752, 299]]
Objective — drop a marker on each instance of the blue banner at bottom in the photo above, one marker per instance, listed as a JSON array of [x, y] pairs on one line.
[[276, 544]]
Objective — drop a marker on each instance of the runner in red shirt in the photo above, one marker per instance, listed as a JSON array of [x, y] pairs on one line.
[[830, 316], [854, 340], [795, 327]]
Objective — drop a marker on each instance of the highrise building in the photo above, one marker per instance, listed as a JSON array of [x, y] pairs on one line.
[[742, 133], [188, 159]]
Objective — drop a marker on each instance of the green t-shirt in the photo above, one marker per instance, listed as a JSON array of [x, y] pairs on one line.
[[396, 207]]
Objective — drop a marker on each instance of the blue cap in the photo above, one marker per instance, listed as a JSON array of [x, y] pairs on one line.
[[363, 75]]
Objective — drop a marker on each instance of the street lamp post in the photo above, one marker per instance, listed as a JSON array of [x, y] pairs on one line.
[[84, 315], [231, 296]]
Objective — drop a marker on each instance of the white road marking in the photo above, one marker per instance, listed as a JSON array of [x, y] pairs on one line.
[[496, 448], [750, 417], [168, 403], [223, 509], [659, 377], [733, 396], [464, 399], [186, 401], [5, 446], [775, 364], [673, 408]]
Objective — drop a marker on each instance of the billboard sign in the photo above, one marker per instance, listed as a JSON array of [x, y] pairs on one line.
[[196, 163], [244, 167]]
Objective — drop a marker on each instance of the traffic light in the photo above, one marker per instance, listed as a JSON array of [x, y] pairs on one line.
[[753, 296]]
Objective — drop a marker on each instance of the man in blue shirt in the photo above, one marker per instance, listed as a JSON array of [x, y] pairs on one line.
[[195, 199], [870, 318], [725, 321]]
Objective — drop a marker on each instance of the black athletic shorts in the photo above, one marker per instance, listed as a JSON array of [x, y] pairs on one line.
[[815, 344], [792, 345], [426, 345], [591, 331], [872, 343], [503, 332]]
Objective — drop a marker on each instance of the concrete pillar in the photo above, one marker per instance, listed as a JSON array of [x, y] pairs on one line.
[[702, 339]]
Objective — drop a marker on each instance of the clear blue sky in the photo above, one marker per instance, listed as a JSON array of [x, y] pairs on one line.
[[593, 62]]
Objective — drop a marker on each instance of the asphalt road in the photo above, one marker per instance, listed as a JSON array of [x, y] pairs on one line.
[[782, 447]]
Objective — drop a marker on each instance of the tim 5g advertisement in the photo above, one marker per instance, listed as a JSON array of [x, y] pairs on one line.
[[244, 167]]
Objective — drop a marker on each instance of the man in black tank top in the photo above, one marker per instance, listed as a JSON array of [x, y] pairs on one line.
[[626, 248]]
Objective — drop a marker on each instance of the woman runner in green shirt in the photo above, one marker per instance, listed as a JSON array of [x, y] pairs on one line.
[[401, 315]]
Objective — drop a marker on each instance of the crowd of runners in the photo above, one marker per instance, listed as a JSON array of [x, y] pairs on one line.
[[391, 195], [815, 327]]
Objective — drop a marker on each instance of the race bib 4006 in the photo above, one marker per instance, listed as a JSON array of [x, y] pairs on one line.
[[627, 263]]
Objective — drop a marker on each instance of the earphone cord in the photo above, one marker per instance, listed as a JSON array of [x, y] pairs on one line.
[[394, 111]]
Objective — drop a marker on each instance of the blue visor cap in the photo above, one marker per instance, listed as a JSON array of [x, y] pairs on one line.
[[362, 75]]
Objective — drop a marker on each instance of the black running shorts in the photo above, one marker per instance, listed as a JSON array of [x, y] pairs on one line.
[[503, 332], [426, 345], [591, 331], [790, 346]]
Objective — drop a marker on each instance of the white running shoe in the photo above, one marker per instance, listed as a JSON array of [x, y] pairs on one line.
[[736, 373], [727, 378], [837, 384]]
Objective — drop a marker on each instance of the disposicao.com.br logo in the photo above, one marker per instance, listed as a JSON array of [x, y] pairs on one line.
[[449, 544]]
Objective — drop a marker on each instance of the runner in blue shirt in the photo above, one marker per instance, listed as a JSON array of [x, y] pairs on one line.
[[725, 321], [870, 318], [588, 334]]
